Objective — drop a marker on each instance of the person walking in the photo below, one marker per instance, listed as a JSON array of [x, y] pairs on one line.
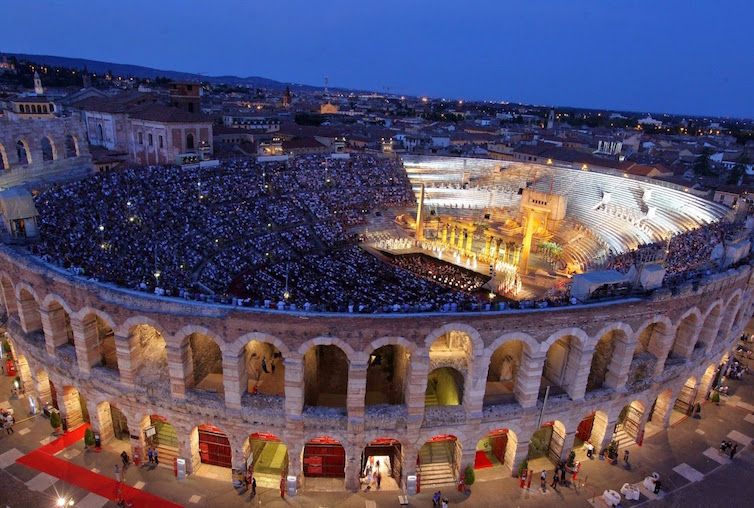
[[264, 366], [272, 366], [253, 486], [625, 456], [733, 451], [436, 499], [543, 480], [156, 460], [117, 473], [562, 473], [150, 456], [555, 480], [124, 458], [8, 424], [379, 477]]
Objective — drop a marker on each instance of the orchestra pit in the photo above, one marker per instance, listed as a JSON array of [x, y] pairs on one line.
[[320, 318]]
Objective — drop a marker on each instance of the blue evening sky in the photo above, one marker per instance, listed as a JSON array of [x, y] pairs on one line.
[[689, 56]]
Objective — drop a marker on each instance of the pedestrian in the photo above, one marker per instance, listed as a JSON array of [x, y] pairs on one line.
[[625, 456], [379, 477], [246, 481], [723, 446], [150, 456], [117, 473], [264, 365], [733, 451], [543, 480], [436, 499], [272, 366], [253, 486], [9, 421], [562, 474], [445, 503], [124, 458], [658, 484], [555, 480], [154, 455]]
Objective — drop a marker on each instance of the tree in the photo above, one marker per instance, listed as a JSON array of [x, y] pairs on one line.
[[739, 170], [468, 475], [702, 166], [55, 421], [89, 437]]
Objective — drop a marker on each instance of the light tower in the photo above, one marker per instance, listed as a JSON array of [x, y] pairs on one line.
[[420, 216], [38, 89], [327, 80]]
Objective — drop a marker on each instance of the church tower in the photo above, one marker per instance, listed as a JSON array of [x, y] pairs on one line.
[[551, 120], [38, 89]]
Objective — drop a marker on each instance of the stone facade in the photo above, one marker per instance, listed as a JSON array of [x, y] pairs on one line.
[[65, 155], [156, 367]]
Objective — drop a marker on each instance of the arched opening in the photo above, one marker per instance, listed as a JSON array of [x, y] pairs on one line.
[[685, 335], [438, 461], [444, 387], [48, 149], [386, 375], [160, 436], [385, 456], [3, 158], [709, 327], [707, 384], [684, 403], [555, 371], [501, 375], [9, 297], [726, 324], [325, 376], [602, 360], [24, 373], [75, 407], [151, 357], [264, 369], [207, 364], [100, 133], [61, 332], [22, 150], [592, 430], [269, 459], [324, 457], [31, 321], [44, 390], [659, 415], [495, 455], [546, 445], [629, 423], [108, 357], [646, 353], [189, 141], [213, 447], [71, 146], [112, 424]]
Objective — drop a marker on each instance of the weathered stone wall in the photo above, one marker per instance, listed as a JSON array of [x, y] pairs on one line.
[[31, 131], [206, 356]]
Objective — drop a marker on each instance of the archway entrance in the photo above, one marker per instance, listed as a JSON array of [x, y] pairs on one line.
[[75, 407], [120, 424], [267, 460], [438, 461], [383, 455], [214, 447], [501, 376], [556, 365], [592, 429], [629, 424], [547, 443], [264, 369], [326, 376], [684, 403], [324, 457], [161, 436], [493, 456], [386, 375], [207, 364], [444, 387]]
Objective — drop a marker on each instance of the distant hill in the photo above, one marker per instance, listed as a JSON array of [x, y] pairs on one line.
[[138, 71]]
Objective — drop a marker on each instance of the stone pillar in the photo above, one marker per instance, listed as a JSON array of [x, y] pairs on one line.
[[54, 327], [181, 370], [357, 389], [602, 432], [684, 345], [294, 464], [86, 338], [188, 448], [416, 387], [469, 241], [294, 387], [509, 459], [29, 315], [444, 234], [529, 379], [62, 407], [468, 455], [660, 347], [487, 244], [138, 444], [11, 306], [620, 364], [234, 378], [519, 454], [578, 366], [101, 420], [453, 236], [352, 468], [663, 408], [128, 351], [570, 437], [42, 386], [473, 396]]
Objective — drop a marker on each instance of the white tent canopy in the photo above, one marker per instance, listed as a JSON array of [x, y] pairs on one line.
[[585, 283], [19, 213]]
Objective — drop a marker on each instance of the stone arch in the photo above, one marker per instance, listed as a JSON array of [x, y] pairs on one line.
[[548, 442], [189, 141], [387, 376], [28, 305], [731, 307], [446, 386], [687, 396], [74, 407], [662, 407], [471, 332], [582, 339], [496, 449], [564, 350], [49, 151], [326, 369], [4, 164], [23, 152], [710, 325], [390, 341], [511, 353], [128, 326], [353, 356], [331, 450], [96, 334], [201, 353], [630, 420], [686, 333], [56, 322], [71, 146], [261, 363], [210, 445], [237, 345], [605, 368], [270, 455], [653, 339], [706, 384], [146, 361], [9, 295]]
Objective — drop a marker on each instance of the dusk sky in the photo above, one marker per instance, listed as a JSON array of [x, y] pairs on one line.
[[670, 56]]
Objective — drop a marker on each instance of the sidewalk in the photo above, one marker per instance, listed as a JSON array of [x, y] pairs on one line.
[[685, 456]]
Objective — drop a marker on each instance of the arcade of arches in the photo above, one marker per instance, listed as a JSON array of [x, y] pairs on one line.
[[454, 372]]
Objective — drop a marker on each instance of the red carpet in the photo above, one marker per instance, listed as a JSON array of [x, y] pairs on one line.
[[42, 460], [481, 461]]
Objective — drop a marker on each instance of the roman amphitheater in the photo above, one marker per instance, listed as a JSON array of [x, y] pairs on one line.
[[303, 387]]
